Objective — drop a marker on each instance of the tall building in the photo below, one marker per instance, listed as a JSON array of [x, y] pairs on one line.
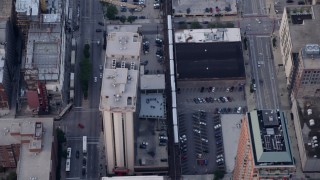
[[28, 145], [43, 25], [118, 99], [264, 150], [307, 80], [304, 115], [8, 53], [298, 28]]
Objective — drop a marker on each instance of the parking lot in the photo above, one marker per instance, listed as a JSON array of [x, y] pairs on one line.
[[200, 129]]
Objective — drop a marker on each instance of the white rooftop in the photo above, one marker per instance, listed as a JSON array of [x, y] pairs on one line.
[[29, 162], [152, 82], [30, 7], [134, 178], [51, 18], [123, 44], [207, 35]]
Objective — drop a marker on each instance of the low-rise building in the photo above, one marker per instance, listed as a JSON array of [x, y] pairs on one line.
[[29, 145], [264, 150]]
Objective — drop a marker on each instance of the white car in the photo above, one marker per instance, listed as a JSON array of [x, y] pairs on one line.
[[228, 89], [100, 67], [95, 79], [220, 160], [202, 123], [219, 156], [204, 140], [213, 89], [100, 75], [217, 126], [239, 110], [183, 138], [197, 131]]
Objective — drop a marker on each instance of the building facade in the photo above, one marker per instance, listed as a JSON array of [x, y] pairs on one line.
[[307, 80], [264, 150], [118, 99]]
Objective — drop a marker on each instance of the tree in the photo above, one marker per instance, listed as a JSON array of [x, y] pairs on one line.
[[212, 25], [220, 25], [85, 71], [196, 25], [123, 19], [183, 26], [229, 25], [86, 50], [131, 19], [12, 176], [60, 136], [112, 11], [218, 174]]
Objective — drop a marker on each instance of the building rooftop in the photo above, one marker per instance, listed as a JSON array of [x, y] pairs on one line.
[[310, 54], [30, 162], [121, 73], [269, 138], [207, 35], [43, 52], [29, 7], [152, 106], [123, 44], [5, 8], [303, 21], [135, 178], [310, 127], [152, 82]]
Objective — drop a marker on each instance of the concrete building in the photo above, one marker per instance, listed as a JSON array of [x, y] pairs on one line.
[[204, 8], [209, 54], [43, 63], [304, 115], [298, 28], [8, 54], [118, 99], [264, 150], [29, 145], [307, 76]]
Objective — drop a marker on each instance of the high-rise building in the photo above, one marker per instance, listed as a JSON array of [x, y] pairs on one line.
[[264, 150], [118, 98], [307, 80]]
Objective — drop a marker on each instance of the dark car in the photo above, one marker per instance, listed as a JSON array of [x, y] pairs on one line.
[[123, 9], [205, 22], [301, 2], [124, 0], [80, 125], [232, 88], [83, 171], [240, 89], [289, 1], [77, 154], [202, 89], [142, 17], [84, 162], [98, 30], [101, 23]]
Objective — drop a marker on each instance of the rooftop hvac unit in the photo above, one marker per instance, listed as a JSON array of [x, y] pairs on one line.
[[311, 122], [312, 49], [309, 111]]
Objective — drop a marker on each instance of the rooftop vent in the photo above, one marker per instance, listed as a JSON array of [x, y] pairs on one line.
[[312, 49]]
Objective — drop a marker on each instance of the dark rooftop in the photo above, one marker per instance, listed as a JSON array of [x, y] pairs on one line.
[[209, 60]]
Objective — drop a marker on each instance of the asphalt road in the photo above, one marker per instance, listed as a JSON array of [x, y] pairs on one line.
[[264, 74], [86, 112]]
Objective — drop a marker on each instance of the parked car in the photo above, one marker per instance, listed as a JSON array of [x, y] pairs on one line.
[[80, 125], [98, 30], [77, 154], [101, 23]]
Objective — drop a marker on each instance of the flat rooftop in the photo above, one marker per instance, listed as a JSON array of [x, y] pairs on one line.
[[121, 72], [207, 35], [269, 138], [152, 82], [231, 127], [210, 60], [152, 106], [29, 7], [303, 21], [123, 44], [153, 155], [197, 7], [311, 56], [30, 162], [310, 131], [43, 52], [5, 8]]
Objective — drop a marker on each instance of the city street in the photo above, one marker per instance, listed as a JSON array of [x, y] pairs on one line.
[[263, 71]]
